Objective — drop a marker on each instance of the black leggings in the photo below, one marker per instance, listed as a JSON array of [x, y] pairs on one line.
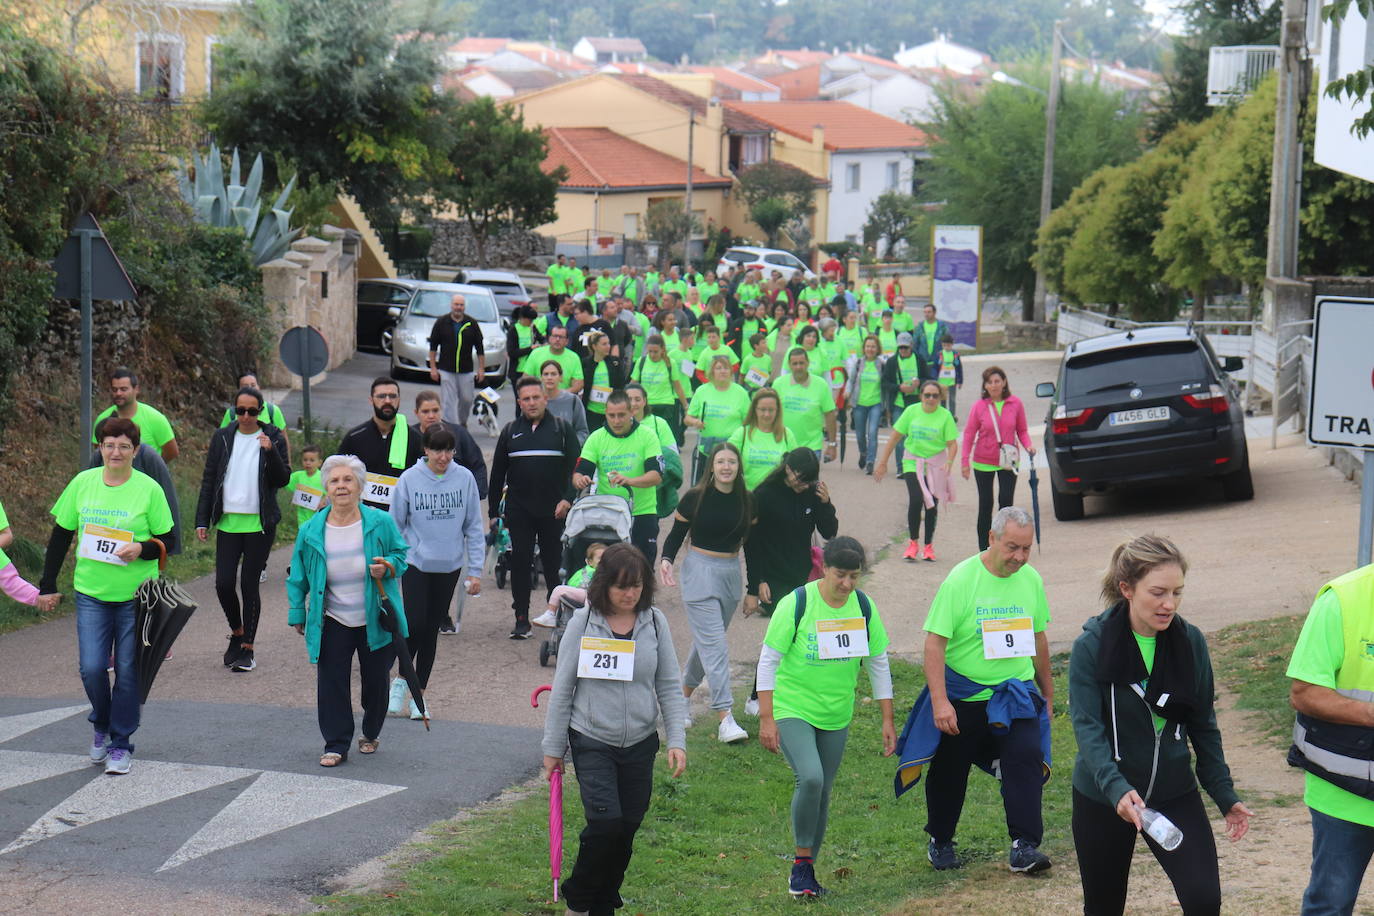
[[426, 596], [644, 535], [1105, 843], [1006, 494], [233, 578], [915, 502], [672, 415]]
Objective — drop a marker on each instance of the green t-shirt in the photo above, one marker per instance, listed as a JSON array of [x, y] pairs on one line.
[[669, 340], [571, 363], [4, 523], [818, 691], [582, 577], [747, 329], [657, 377], [804, 408], [927, 434], [763, 365], [747, 292], [970, 595], [574, 281], [154, 429], [707, 355], [1147, 645], [760, 452], [828, 292], [722, 412], [928, 329], [812, 294], [137, 506], [646, 330], [852, 339], [1317, 658], [870, 383], [676, 286], [945, 372], [625, 455], [666, 440], [301, 479], [817, 364], [901, 321], [708, 290], [887, 339], [271, 414], [556, 281], [240, 523], [652, 280], [600, 382], [834, 350]]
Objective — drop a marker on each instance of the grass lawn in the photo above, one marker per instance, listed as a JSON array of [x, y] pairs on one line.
[[1250, 660], [719, 839]]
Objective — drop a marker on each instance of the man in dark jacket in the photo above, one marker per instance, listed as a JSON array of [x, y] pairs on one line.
[[928, 335], [245, 467], [531, 470], [456, 359], [383, 444]]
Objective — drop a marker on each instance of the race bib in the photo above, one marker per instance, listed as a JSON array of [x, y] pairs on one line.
[[846, 637], [947, 373], [307, 497], [755, 378], [1011, 637], [489, 394], [688, 368], [378, 489], [606, 659], [99, 543], [600, 394]]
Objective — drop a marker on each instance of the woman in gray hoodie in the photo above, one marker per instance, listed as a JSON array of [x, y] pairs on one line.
[[617, 675], [436, 505]]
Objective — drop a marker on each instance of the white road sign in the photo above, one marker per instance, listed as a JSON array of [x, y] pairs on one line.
[[1341, 411]]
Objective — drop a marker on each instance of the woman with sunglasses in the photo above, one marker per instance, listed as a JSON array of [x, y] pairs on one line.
[[245, 467]]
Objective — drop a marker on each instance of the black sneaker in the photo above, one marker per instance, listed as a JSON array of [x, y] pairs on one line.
[[943, 856], [244, 662], [235, 649], [1025, 859], [447, 628], [522, 630], [803, 881]]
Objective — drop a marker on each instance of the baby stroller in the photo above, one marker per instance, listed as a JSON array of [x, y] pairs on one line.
[[605, 519], [498, 543]]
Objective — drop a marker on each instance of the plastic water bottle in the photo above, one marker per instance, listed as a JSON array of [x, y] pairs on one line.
[[1162, 830]]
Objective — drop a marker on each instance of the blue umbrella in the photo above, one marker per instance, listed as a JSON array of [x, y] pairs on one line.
[[1035, 502]]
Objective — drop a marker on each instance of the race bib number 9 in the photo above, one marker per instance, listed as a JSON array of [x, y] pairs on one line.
[[307, 498], [1011, 637], [755, 378], [606, 659], [846, 637], [377, 489], [99, 543]]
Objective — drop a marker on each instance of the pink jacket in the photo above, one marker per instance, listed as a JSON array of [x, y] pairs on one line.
[[935, 479], [980, 439]]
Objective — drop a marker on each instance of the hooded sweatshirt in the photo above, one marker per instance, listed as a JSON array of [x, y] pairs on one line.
[[440, 518]]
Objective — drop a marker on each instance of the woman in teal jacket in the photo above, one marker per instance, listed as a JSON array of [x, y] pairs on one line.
[[333, 605]]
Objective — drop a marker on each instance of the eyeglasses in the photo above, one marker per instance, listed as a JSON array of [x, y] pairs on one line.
[[117, 446], [931, 395], [251, 411]]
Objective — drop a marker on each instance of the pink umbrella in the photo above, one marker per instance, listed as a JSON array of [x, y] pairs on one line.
[[555, 810]]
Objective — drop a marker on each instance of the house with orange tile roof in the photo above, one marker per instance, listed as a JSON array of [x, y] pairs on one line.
[[610, 50], [729, 83], [859, 152]]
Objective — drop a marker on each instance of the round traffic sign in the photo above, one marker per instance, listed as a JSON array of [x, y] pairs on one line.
[[304, 351]]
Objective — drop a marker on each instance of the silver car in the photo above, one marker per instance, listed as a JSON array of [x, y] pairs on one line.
[[410, 344]]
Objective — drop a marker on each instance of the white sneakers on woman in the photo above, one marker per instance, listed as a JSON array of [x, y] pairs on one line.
[[729, 731]]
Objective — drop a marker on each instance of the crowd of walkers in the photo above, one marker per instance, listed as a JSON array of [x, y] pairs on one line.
[[392, 531]]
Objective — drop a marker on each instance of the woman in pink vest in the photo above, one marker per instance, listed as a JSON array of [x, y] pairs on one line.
[[996, 422]]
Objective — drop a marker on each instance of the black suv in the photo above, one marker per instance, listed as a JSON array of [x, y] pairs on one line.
[[1147, 405]]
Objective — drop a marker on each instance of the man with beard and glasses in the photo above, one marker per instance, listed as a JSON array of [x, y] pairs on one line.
[[384, 444]]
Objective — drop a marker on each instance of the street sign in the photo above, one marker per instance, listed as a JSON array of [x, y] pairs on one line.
[[1341, 409], [305, 352]]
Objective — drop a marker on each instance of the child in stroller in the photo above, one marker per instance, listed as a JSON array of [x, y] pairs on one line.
[[575, 592], [593, 519]]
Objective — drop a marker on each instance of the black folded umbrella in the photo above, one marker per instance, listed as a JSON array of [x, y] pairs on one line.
[[1035, 502], [843, 418], [161, 610], [390, 621]]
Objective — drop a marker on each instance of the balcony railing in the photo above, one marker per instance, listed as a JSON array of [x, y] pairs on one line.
[[1234, 72]]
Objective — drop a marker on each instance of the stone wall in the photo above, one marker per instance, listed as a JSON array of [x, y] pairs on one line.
[[509, 249], [315, 284], [1030, 335]]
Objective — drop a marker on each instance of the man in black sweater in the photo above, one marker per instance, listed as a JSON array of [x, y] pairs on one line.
[[385, 446], [532, 469], [456, 359]]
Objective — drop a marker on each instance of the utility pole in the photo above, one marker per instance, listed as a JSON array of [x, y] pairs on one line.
[[687, 240], [1047, 172], [1285, 183]]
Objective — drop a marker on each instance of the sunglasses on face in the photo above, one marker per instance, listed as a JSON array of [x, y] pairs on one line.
[[931, 395], [251, 411]]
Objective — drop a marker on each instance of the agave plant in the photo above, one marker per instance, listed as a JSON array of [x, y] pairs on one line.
[[236, 203]]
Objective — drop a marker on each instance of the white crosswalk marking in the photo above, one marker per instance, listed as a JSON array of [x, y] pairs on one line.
[[14, 726], [276, 801], [20, 767]]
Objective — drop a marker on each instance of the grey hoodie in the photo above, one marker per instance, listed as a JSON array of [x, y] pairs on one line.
[[618, 713], [440, 518]]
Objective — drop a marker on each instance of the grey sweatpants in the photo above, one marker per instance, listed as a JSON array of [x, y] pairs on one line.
[[712, 588], [456, 397]]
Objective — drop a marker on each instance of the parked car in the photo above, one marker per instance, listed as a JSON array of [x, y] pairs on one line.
[[1143, 406], [410, 352], [507, 286], [380, 303], [766, 260]]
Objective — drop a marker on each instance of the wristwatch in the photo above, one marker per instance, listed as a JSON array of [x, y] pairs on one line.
[[831, 443]]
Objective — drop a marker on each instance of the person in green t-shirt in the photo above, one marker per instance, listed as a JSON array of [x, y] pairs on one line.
[[675, 284], [115, 513], [153, 426], [809, 338], [987, 626], [662, 380], [949, 372], [271, 413], [575, 592], [762, 440], [653, 282], [808, 407], [717, 409], [901, 318], [926, 429], [807, 673], [757, 367], [306, 486], [708, 286], [865, 373], [624, 459], [714, 347], [557, 350], [683, 357], [557, 272], [574, 280], [1138, 675]]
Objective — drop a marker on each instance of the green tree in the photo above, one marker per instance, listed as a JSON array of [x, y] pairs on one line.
[[891, 219], [1356, 84], [770, 215], [985, 166], [494, 176], [667, 223], [775, 194], [342, 88]]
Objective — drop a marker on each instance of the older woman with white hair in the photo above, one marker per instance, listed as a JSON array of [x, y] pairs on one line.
[[332, 605]]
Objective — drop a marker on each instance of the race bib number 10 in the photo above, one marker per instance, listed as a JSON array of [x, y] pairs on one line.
[[100, 543], [1011, 637], [846, 637], [606, 659], [378, 489]]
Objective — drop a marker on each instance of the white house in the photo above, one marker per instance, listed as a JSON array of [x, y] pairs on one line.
[[894, 94], [1342, 48], [942, 54], [610, 50]]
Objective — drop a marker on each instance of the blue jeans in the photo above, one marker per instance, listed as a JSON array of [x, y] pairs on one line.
[[1340, 854], [866, 429], [103, 627]]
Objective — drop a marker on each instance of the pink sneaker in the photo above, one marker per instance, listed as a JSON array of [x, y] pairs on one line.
[[929, 553], [913, 551]]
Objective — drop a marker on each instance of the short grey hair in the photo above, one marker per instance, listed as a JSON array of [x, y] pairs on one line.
[[352, 462], [826, 324], [1007, 515]]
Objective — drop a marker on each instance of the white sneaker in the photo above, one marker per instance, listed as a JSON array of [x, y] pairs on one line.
[[415, 710], [262, 576], [396, 705], [729, 731], [751, 707], [546, 619]]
